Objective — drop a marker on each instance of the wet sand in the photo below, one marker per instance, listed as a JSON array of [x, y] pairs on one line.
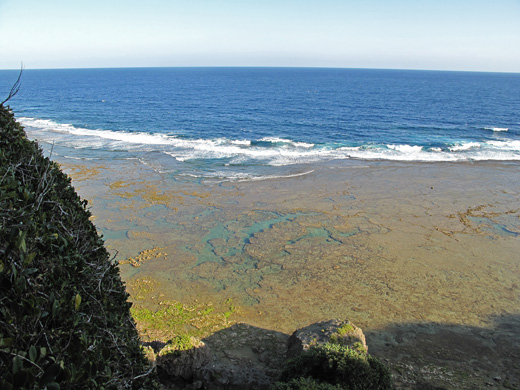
[[414, 253]]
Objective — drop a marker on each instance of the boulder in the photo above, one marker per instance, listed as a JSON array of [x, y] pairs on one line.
[[335, 331]]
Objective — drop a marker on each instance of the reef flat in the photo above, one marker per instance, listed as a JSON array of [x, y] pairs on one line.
[[404, 250]]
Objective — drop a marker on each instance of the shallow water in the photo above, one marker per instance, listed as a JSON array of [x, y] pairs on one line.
[[378, 243]]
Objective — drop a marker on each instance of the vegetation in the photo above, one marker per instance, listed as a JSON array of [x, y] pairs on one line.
[[335, 366], [179, 343], [178, 319], [160, 319], [65, 320]]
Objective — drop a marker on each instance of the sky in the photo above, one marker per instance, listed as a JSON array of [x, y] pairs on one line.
[[477, 35]]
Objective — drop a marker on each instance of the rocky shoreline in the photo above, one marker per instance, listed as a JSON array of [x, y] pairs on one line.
[[420, 356], [243, 356]]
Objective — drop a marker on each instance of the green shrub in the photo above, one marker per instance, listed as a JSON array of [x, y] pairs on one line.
[[64, 315], [335, 364]]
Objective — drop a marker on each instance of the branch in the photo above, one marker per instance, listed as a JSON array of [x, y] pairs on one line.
[[15, 88]]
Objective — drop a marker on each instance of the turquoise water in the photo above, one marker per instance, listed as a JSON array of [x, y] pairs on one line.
[[507, 227], [228, 239]]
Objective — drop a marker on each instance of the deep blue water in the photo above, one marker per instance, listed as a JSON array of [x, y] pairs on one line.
[[243, 122]]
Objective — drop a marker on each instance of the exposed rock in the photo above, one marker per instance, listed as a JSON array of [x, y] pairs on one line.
[[341, 332], [250, 347], [182, 366], [234, 377], [245, 357], [238, 357]]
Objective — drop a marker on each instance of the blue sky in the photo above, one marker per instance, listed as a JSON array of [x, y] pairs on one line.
[[473, 35]]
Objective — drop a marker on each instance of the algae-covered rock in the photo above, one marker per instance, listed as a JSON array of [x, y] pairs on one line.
[[332, 355], [337, 365], [333, 331]]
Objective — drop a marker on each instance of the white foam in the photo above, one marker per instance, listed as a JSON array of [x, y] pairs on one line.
[[273, 156], [81, 158], [52, 127], [497, 128], [243, 142], [242, 151], [406, 148], [277, 140], [506, 145], [303, 145], [130, 138], [415, 154], [242, 177], [464, 146], [270, 177]]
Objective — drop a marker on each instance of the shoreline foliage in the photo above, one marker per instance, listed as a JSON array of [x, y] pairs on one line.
[[65, 318], [335, 366]]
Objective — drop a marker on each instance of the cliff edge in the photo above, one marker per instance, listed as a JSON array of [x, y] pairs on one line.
[[65, 321]]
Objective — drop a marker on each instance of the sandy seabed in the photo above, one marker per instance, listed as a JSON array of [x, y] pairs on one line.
[[420, 255]]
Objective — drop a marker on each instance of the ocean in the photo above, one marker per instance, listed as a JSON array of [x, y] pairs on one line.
[[250, 123]]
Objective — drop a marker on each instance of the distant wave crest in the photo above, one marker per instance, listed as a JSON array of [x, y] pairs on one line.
[[496, 128]]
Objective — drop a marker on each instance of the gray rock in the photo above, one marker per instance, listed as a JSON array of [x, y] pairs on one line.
[[234, 377], [341, 332], [244, 356], [183, 365]]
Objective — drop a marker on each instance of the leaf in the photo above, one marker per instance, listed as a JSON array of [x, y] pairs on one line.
[[43, 352], [29, 271], [29, 259], [53, 386], [55, 308], [77, 302], [17, 364], [21, 242], [33, 353]]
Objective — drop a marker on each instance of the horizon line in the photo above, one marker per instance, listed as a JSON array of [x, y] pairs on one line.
[[259, 67]]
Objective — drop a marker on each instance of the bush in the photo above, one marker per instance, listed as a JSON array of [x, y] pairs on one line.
[[335, 364], [64, 315]]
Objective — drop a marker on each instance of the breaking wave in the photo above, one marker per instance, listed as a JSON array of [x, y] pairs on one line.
[[273, 151]]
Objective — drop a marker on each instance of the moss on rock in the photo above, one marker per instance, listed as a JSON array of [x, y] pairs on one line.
[[336, 366]]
